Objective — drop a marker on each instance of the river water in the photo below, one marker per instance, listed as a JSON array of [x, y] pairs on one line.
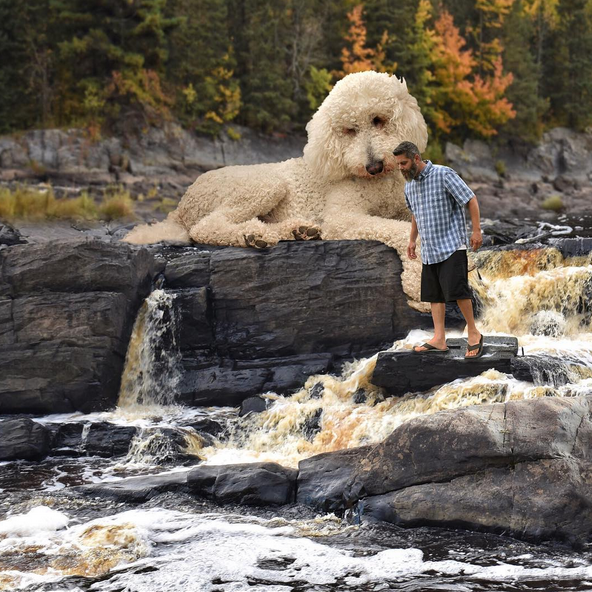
[[53, 539]]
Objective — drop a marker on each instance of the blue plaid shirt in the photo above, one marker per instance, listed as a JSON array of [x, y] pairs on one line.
[[437, 199]]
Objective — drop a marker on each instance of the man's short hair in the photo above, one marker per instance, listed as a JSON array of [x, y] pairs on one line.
[[409, 149]]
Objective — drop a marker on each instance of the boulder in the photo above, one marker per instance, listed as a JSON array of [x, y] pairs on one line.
[[402, 372], [9, 235], [254, 484], [521, 467], [137, 489], [23, 439]]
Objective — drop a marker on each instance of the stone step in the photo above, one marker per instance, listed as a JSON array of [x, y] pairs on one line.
[[402, 372]]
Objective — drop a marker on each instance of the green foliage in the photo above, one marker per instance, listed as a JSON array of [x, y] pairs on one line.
[[553, 203], [496, 66], [317, 87]]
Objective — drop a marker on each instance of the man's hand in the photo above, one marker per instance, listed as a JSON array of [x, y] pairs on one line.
[[411, 250], [476, 239]]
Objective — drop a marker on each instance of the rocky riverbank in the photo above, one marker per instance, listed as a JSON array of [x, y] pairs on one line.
[[162, 163]]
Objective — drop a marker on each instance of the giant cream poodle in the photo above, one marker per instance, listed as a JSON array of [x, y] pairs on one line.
[[346, 185]]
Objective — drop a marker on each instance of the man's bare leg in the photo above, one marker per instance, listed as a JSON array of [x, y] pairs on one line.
[[438, 316], [466, 307]]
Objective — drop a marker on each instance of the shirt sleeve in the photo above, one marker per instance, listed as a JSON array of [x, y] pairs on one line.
[[406, 198], [459, 190]]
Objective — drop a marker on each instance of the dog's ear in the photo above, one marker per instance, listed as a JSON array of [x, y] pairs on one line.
[[412, 126], [323, 151]]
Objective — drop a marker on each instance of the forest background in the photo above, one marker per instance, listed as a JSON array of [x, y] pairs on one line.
[[493, 69]]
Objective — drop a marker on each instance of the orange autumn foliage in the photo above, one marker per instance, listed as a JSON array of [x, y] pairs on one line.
[[462, 99]]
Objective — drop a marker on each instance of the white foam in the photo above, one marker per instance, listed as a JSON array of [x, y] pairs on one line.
[[40, 519]]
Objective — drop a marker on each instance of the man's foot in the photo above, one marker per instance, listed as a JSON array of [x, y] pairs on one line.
[[475, 350], [430, 347]]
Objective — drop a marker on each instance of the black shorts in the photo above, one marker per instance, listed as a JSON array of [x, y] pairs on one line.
[[446, 281]]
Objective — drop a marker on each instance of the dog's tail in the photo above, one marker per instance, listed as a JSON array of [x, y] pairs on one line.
[[169, 231]]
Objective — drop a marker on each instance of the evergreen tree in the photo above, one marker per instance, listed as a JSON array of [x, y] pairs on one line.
[[112, 58], [524, 92], [569, 73], [262, 53], [397, 20], [27, 68], [201, 65]]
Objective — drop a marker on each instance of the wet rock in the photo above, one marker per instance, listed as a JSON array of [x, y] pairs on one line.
[[269, 336], [312, 425], [325, 480], [252, 405], [67, 312], [520, 467], [208, 426], [402, 372], [499, 501], [225, 381], [317, 390], [23, 439], [360, 396], [572, 247], [255, 484], [138, 489], [9, 235], [108, 440]]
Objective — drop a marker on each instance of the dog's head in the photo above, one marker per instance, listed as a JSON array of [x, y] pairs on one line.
[[362, 120]]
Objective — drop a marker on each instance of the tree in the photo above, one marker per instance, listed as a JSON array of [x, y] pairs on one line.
[[113, 55], [569, 74], [491, 14], [201, 65], [464, 102], [27, 68], [356, 56], [524, 92]]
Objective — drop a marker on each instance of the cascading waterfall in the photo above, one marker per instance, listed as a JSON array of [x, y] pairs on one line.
[[152, 365], [538, 295]]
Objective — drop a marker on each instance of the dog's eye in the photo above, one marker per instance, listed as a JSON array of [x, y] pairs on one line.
[[349, 131], [378, 122]]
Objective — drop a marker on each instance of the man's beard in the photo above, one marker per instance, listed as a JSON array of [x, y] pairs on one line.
[[411, 173]]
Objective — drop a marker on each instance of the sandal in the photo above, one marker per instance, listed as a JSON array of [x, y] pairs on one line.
[[476, 347], [428, 349]]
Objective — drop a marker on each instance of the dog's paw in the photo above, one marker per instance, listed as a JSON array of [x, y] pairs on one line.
[[307, 233], [255, 241]]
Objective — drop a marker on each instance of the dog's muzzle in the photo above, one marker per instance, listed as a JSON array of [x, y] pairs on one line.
[[375, 168]]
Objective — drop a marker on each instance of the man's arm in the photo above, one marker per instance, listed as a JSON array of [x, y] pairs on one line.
[[476, 239], [413, 238]]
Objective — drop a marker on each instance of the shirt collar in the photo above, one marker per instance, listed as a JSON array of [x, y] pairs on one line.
[[426, 170]]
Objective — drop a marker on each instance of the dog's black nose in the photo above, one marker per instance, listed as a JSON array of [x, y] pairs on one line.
[[375, 168]]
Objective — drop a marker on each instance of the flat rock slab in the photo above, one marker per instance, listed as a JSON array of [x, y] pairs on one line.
[[402, 372], [252, 484]]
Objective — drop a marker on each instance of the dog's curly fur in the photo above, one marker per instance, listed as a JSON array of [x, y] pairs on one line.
[[357, 127]]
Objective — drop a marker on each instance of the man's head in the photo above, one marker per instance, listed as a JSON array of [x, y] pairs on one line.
[[408, 160]]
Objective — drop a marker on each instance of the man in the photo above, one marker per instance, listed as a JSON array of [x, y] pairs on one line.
[[437, 196]]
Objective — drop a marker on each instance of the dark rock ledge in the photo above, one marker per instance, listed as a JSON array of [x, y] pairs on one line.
[[402, 372], [249, 321]]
